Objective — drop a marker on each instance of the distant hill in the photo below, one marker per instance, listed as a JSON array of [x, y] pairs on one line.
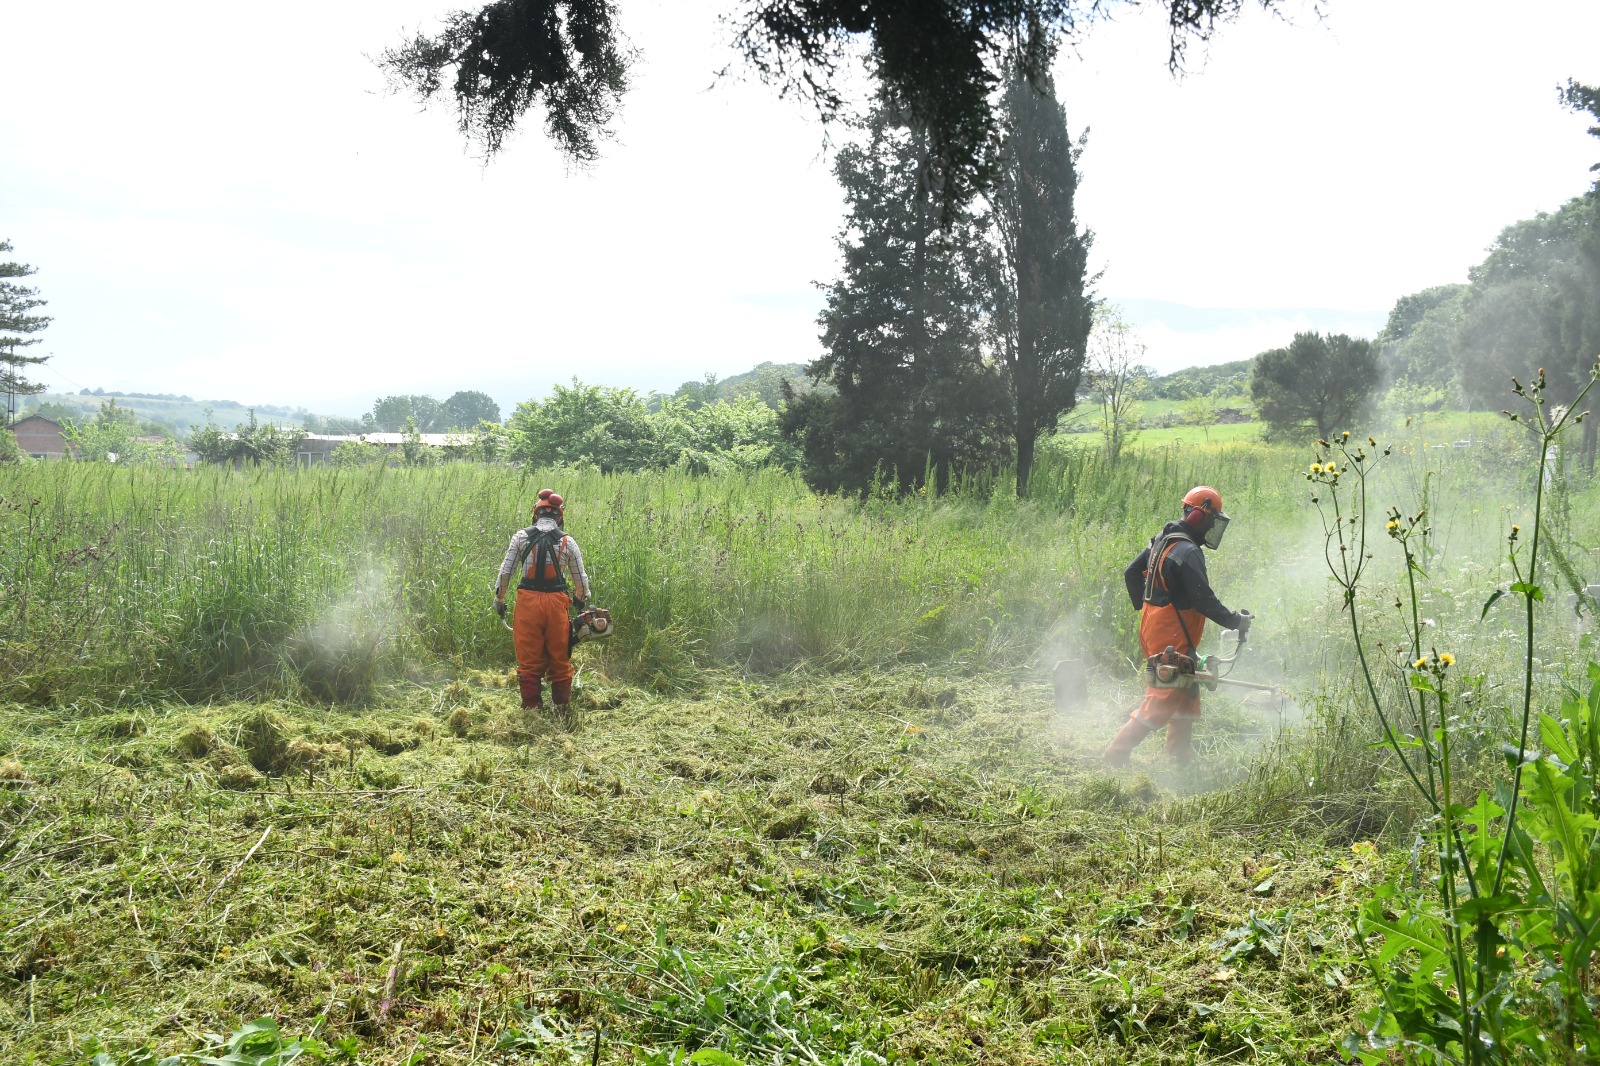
[[764, 382], [1220, 379], [181, 413]]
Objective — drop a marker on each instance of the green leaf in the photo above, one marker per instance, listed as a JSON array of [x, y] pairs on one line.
[[1528, 589], [1422, 682], [1485, 907], [710, 1056], [1490, 603], [1484, 843], [1409, 934], [1555, 738]]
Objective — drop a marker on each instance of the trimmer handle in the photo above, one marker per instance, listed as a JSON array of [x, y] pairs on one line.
[[1245, 618]]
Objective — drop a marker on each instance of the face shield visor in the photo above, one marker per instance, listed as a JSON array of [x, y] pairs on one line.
[[1219, 526]]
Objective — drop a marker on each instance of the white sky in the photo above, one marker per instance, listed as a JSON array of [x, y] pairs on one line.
[[229, 206]]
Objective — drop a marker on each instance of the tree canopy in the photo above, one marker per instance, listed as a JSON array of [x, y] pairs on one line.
[[1534, 301], [1319, 382], [18, 323], [615, 430], [912, 393], [568, 59], [1041, 306]]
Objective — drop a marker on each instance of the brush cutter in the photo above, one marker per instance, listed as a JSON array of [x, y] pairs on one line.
[[1173, 669], [592, 623]]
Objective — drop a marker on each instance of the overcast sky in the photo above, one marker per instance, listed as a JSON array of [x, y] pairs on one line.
[[222, 201]]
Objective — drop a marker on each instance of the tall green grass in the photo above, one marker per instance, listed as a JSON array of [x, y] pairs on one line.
[[123, 582]]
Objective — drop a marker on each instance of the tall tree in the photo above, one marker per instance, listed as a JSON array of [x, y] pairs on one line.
[[391, 414], [1043, 311], [941, 60], [17, 326], [597, 424], [464, 410], [1319, 382], [1119, 378], [911, 391]]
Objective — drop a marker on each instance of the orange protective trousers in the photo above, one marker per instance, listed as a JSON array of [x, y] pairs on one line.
[[1160, 628], [541, 634]]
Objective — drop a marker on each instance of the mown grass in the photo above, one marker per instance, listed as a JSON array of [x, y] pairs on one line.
[[828, 869], [257, 756]]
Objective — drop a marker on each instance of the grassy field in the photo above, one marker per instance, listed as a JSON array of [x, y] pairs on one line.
[[824, 869], [260, 756]]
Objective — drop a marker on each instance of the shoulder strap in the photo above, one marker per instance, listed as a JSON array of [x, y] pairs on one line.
[[1160, 547]]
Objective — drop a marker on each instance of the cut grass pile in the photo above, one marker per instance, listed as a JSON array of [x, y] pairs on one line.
[[820, 870]]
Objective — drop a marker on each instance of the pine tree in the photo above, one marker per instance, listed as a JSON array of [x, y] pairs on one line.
[[912, 395], [1042, 309], [16, 325]]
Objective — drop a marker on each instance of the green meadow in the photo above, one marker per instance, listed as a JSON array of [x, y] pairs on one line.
[[261, 756]]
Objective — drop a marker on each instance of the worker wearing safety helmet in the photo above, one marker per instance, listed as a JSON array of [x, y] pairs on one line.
[[1169, 587], [551, 579]]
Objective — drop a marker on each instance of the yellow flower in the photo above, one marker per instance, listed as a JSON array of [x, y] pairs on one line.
[[1420, 663], [1331, 468], [398, 857], [1515, 530], [1393, 525], [1447, 658], [1316, 468]]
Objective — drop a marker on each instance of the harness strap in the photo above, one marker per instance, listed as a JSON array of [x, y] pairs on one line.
[[545, 547], [1160, 548]]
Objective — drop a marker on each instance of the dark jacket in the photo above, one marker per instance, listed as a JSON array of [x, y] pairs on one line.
[[1183, 580]]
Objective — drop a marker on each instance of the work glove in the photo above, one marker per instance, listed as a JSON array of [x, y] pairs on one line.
[[500, 609], [578, 605], [1245, 618]]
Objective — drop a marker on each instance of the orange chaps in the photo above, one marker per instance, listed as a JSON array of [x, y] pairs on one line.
[[541, 634], [1160, 628]]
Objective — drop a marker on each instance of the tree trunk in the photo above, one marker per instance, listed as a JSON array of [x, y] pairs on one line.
[[1026, 439]]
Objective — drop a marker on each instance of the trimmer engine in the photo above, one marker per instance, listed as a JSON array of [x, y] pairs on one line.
[[592, 624]]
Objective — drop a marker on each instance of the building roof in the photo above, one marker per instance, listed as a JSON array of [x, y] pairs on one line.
[[432, 440], [41, 420]]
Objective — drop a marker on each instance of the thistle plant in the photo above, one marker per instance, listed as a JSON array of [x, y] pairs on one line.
[[1491, 961]]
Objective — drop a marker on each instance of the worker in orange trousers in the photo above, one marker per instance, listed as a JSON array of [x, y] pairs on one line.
[[551, 579], [1168, 585]]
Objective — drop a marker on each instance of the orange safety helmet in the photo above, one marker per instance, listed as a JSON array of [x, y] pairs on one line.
[[551, 503], [1202, 509]]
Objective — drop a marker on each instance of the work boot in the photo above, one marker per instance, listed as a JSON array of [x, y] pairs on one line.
[[1122, 745], [561, 692], [1180, 741], [532, 692]]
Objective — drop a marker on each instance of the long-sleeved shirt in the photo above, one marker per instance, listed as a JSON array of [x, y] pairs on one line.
[[569, 558], [1183, 581]]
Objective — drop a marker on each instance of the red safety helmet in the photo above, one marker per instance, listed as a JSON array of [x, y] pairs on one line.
[[1202, 509]]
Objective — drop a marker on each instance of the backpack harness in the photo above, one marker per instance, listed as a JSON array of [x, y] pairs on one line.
[[545, 573], [1160, 548]]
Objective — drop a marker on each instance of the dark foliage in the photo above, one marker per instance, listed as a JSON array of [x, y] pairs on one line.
[[509, 56], [18, 323], [1584, 99], [912, 394], [941, 60], [1320, 382], [1042, 309]]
